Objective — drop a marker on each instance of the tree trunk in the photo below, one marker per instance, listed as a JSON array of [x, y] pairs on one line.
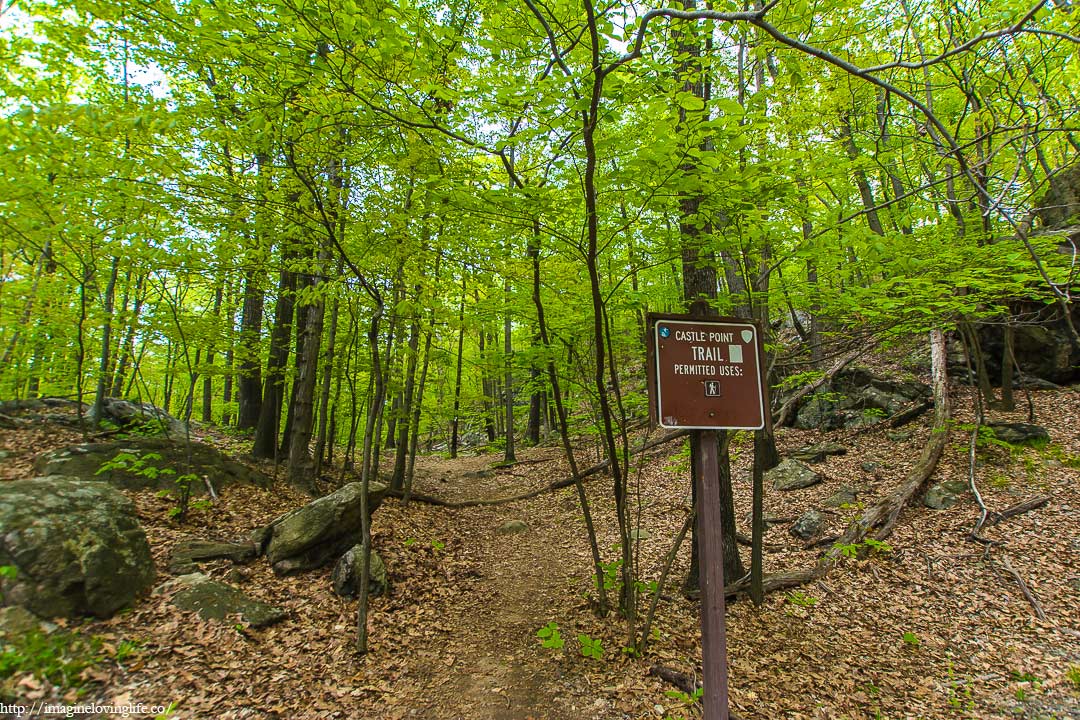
[[299, 469], [325, 421], [368, 471], [401, 455], [589, 121], [487, 385], [266, 432], [301, 324], [418, 399], [106, 345], [127, 346], [208, 380], [456, 419], [508, 379], [249, 386], [699, 283]]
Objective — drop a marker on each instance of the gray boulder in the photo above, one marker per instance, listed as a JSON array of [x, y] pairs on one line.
[[150, 419], [791, 474], [77, 547], [346, 575], [317, 533], [945, 494], [809, 525], [138, 464], [819, 451], [857, 397], [1020, 433], [217, 601]]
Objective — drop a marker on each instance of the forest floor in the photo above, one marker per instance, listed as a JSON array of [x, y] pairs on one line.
[[935, 627]]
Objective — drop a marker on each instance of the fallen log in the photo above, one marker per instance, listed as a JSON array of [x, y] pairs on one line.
[[1019, 509], [880, 518], [783, 415], [550, 487]]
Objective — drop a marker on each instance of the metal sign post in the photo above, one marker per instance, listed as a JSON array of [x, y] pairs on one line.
[[706, 374]]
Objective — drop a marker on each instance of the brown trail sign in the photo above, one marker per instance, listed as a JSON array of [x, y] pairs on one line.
[[706, 374]]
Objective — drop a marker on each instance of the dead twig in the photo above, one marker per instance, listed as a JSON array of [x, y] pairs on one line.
[[1020, 508], [1035, 604]]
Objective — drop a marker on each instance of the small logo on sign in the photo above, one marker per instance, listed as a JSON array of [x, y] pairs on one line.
[[664, 331], [712, 388], [747, 335]]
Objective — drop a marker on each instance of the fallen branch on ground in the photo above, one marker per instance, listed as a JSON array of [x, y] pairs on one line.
[[783, 415], [880, 518], [1020, 508], [550, 487], [681, 680], [1034, 601]]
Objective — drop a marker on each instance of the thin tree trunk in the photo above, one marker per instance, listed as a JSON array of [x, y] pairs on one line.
[[299, 469], [564, 431], [208, 379], [301, 325], [456, 420], [106, 345], [418, 400], [325, 421], [508, 378], [1008, 361], [487, 385], [590, 118], [369, 470], [401, 454], [127, 346], [249, 387]]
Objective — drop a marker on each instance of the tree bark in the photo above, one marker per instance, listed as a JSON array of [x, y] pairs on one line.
[[106, 344], [455, 422], [266, 432], [249, 385], [325, 421], [299, 469]]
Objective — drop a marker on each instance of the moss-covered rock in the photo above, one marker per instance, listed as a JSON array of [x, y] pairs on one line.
[[217, 601], [319, 532], [346, 575], [77, 547], [142, 463]]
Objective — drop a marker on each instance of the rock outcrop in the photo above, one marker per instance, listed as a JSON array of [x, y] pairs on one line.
[[317, 533], [213, 600], [76, 545], [149, 419], [141, 463], [857, 397]]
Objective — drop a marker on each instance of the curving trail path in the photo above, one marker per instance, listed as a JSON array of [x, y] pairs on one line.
[[493, 666]]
